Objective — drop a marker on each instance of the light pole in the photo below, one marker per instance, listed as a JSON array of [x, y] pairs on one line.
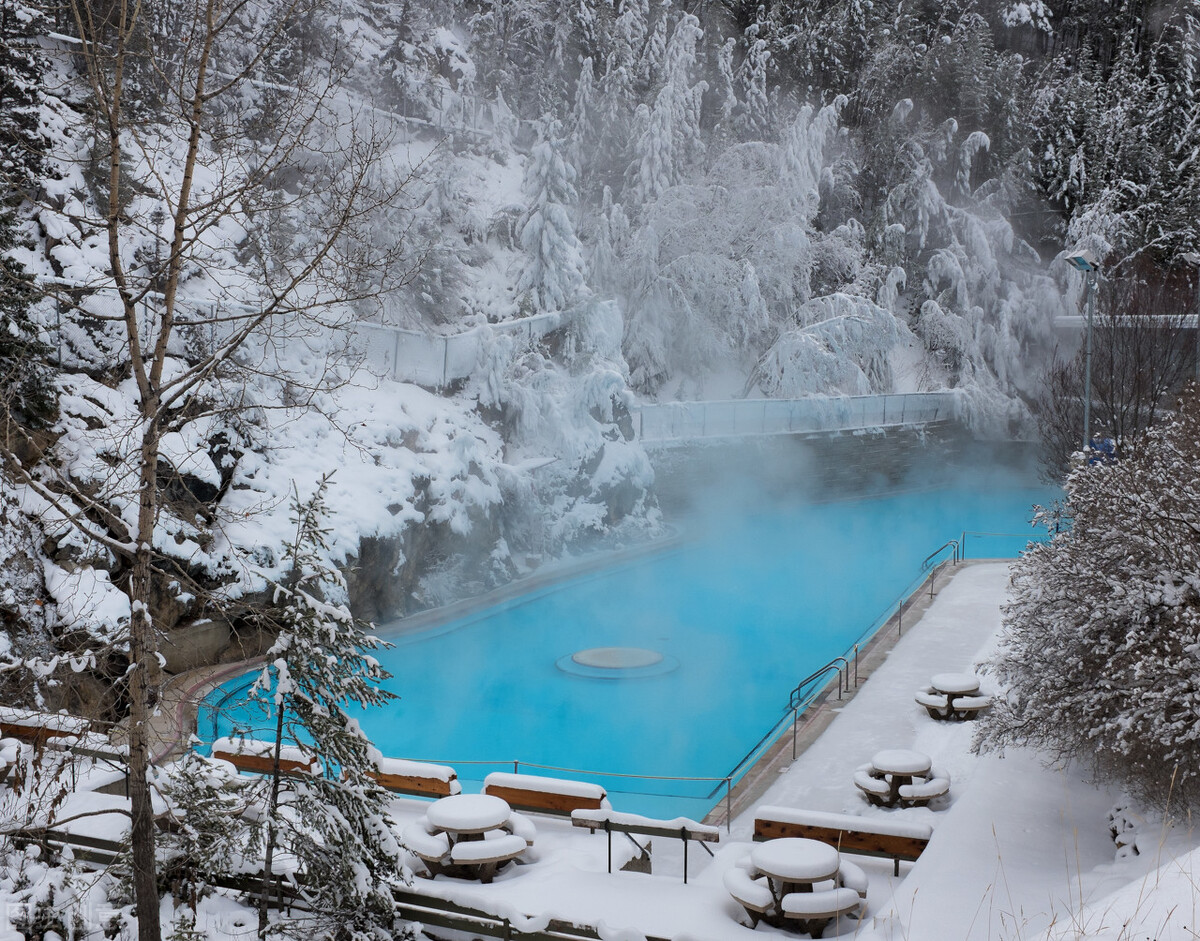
[[1193, 259], [1083, 260]]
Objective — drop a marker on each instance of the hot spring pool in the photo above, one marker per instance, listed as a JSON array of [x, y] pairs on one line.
[[688, 655]]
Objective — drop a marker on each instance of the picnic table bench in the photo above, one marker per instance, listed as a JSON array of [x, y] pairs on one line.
[[559, 796], [681, 828], [895, 840]]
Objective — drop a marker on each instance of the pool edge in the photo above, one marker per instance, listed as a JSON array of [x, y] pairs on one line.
[[753, 784]]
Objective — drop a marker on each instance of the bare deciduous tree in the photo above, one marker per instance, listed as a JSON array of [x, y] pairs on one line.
[[1142, 354], [227, 164]]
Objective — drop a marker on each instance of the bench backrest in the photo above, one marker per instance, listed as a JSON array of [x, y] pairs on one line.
[[265, 764], [547, 802], [852, 839], [419, 785]]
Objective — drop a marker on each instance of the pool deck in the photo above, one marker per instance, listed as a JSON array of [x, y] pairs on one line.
[[817, 718]]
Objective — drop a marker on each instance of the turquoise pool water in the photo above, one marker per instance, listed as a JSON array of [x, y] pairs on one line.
[[744, 608]]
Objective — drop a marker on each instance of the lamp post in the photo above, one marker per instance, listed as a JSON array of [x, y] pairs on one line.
[[1193, 259], [1083, 260]]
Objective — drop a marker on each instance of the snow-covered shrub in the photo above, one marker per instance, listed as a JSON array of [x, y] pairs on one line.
[[1100, 655]]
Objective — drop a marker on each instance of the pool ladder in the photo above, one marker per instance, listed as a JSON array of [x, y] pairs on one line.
[[808, 689]]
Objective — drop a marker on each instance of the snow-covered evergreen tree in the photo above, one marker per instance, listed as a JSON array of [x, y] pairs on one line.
[[670, 141], [335, 821], [554, 269], [25, 380], [1098, 656]]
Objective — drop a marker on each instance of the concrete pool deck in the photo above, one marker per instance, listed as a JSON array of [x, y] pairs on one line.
[[817, 718]]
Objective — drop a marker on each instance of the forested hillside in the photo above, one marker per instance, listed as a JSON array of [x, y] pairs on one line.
[[204, 205]]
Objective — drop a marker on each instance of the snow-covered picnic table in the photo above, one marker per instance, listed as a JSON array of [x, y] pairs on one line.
[[900, 776], [799, 883], [953, 696], [468, 836]]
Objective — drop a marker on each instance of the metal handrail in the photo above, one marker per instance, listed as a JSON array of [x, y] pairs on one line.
[[843, 680], [938, 551]]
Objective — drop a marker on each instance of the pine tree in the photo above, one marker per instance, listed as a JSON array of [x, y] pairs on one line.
[[335, 821], [755, 117], [25, 380], [210, 830], [553, 273], [669, 141]]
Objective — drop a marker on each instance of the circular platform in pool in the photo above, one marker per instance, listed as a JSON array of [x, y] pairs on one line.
[[616, 662], [616, 658]]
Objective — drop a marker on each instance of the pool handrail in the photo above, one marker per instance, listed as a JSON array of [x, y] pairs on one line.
[[938, 551]]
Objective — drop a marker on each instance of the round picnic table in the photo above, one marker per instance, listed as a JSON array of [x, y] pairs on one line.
[[466, 815], [901, 761], [953, 696], [469, 836], [793, 861], [898, 766], [956, 684]]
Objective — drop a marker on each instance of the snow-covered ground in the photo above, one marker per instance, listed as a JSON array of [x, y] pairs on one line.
[[1018, 851]]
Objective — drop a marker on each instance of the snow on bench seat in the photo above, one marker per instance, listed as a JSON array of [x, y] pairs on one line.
[[249, 754], [634, 823], [866, 836], [522, 826], [428, 846], [492, 850], [971, 703], [864, 781], [821, 903], [852, 876], [934, 702], [922, 792], [416, 777], [546, 795], [752, 894]]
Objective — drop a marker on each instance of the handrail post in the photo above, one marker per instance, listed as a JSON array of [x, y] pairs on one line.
[[684, 835], [795, 722], [729, 805]]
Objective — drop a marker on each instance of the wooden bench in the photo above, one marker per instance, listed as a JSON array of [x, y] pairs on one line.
[[890, 839], [681, 828], [39, 727], [249, 754], [537, 794], [419, 778]]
